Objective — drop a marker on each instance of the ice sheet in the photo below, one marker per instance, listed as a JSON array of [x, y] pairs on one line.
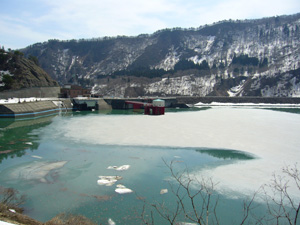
[[273, 137]]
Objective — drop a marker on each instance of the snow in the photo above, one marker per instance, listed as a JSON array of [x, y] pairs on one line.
[[31, 99], [6, 223], [237, 90], [186, 85], [5, 72], [170, 60], [17, 100]]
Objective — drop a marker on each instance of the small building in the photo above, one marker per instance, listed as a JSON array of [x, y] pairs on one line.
[[73, 91], [156, 108]]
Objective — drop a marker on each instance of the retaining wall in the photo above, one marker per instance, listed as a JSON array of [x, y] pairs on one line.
[[38, 92]]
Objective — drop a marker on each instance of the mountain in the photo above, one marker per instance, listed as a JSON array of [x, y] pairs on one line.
[[229, 58], [18, 72]]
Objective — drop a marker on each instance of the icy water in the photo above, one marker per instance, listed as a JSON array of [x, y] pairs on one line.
[[57, 161]]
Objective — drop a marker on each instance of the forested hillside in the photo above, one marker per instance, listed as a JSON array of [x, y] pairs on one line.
[[228, 58], [18, 72]]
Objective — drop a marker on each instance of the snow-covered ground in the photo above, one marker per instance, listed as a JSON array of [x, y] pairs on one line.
[[17, 100], [32, 99], [6, 223]]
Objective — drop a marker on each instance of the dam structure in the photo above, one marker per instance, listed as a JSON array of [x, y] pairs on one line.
[[44, 107]]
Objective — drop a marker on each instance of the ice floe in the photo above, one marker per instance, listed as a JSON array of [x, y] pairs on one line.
[[36, 156], [111, 180], [111, 222], [121, 189], [163, 191], [108, 180], [119, 168]]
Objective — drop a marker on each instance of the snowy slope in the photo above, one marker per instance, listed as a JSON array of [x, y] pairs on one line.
[[249, 57]]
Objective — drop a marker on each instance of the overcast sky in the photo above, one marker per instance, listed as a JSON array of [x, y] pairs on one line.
[[25, 22]]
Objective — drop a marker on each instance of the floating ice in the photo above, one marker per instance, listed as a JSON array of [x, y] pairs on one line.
[[111, 222], [108, 180], [121, 189], [28, 143], [272, 137], [163, 191], [120, 168], [36, 156], [111, 177]]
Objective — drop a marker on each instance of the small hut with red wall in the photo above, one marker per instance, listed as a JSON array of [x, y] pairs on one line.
[[156, 108]]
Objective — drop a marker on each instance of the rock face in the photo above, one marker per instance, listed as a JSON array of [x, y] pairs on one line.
[[228, 58], [18, 72]]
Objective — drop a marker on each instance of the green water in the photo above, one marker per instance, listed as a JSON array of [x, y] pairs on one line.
[[72, 187]]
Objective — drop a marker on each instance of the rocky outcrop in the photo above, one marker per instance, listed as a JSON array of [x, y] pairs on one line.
[[18, 72]]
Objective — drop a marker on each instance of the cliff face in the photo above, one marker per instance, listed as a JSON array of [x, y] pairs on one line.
[[18, 72], [229, 58]]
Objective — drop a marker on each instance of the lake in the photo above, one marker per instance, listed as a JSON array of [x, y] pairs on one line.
[[56, 161]]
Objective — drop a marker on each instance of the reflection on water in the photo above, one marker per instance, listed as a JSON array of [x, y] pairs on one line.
[[61, 174], [228, 154], [15, 136], [70, 184], [39, 171], [289, 110]]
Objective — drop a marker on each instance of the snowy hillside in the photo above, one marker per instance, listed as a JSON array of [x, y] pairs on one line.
[[230, 58]]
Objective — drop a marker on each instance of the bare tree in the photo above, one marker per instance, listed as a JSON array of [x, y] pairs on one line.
[[197, 206], [282, 207], [195, 200], [11, 197]]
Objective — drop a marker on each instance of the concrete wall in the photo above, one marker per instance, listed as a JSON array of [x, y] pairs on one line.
[[103, 105], [272, 100], [28, 109], [39, 92]]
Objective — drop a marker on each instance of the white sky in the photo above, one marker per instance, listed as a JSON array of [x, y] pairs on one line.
[[25, 22]]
